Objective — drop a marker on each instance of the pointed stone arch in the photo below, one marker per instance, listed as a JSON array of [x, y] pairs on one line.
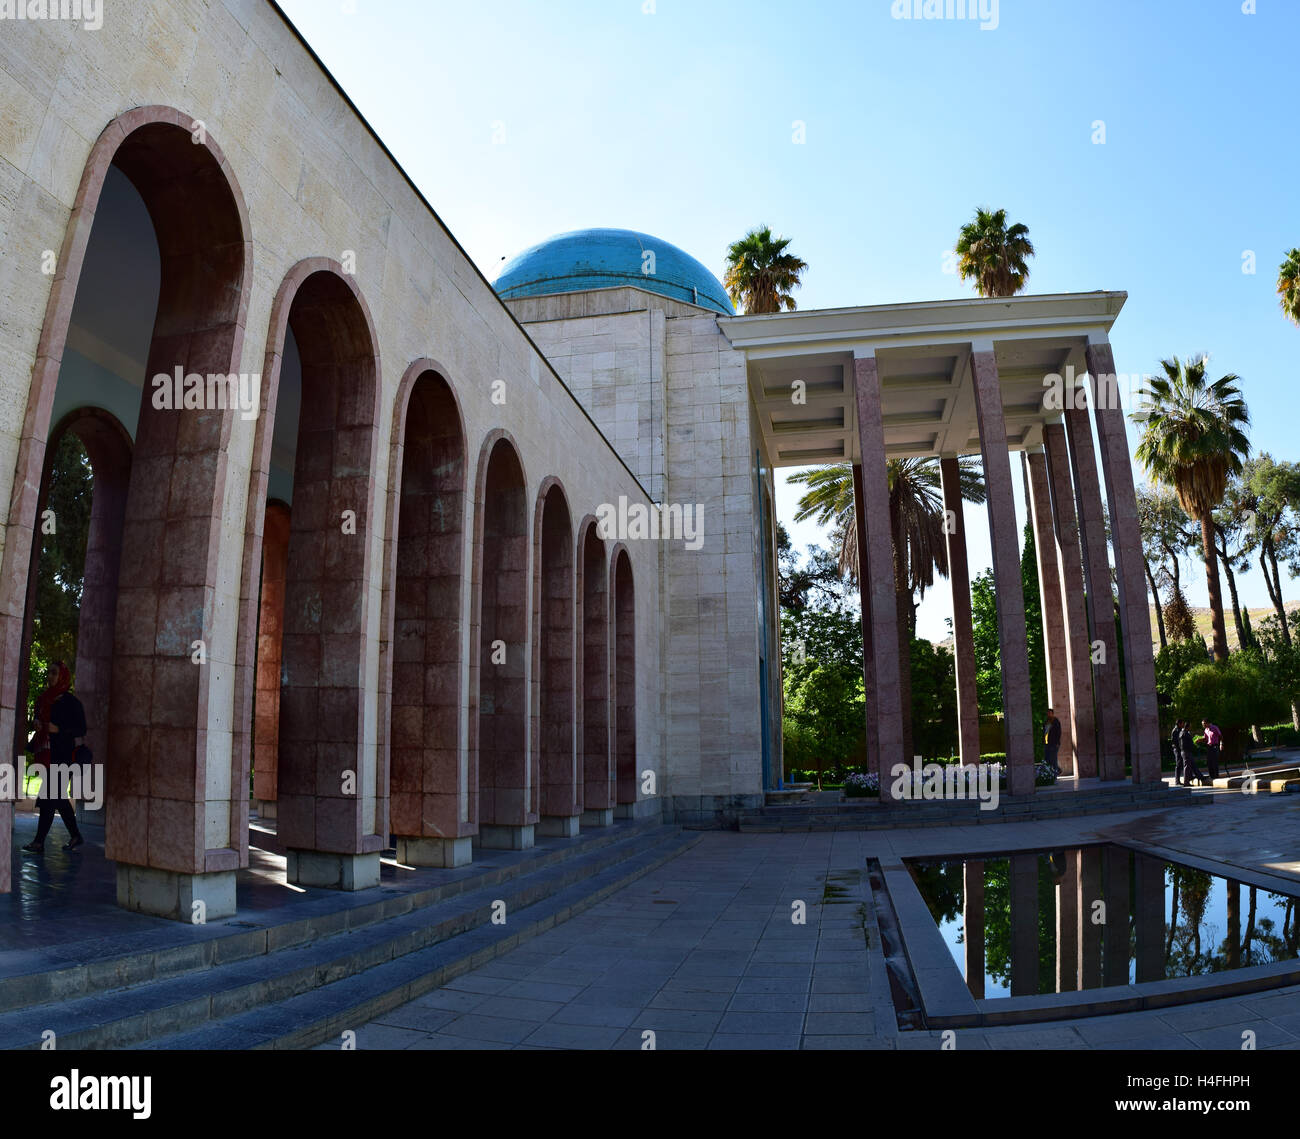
[[623, 670], [503, 769], [599, 788], [422, 666], [172, 822], [554, 681], [332, 806]]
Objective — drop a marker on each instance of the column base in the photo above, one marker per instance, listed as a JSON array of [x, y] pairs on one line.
[[494, 837], [625, 811], [447, 853], [170, 894], [603, 817], [332, 871], [264, 808], [559, 826]]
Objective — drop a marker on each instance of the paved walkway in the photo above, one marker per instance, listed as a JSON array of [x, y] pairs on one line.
[[703, 952]]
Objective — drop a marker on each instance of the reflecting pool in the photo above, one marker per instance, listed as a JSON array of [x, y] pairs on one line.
[[1085, 917]]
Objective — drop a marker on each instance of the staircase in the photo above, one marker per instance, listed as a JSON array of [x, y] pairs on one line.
[[871, 814], [301, 980]]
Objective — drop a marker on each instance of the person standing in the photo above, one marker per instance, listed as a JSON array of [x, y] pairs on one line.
[[60, 722], [1176, 743], [1052, 741], [1189, 756], [1213, 744]]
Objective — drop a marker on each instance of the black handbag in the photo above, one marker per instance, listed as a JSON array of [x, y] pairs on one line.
[[82, 755]]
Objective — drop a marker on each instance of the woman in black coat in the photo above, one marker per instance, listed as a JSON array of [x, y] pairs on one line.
[[60, 722]]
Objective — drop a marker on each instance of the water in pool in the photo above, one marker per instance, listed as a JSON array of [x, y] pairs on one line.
[[1082, 918]]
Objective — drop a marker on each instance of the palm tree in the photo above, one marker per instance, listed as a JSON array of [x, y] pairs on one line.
[[1192, 441], [1288, 285], [916, 519], [994, 254], [761, 274]]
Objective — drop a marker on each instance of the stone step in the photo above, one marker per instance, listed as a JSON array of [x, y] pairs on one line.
[[349, 1003], [143, 1011], [873, 815], [115, 962]]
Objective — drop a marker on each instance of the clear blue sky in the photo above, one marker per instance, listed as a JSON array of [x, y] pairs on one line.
[[680, 123]]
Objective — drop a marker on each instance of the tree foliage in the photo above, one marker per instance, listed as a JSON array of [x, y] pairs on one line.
[[761, 274], [62, 565]]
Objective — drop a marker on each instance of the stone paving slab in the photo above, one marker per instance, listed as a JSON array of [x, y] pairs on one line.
[[702, 951]]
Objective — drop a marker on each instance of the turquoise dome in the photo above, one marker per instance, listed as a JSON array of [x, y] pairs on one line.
[[608, 258]]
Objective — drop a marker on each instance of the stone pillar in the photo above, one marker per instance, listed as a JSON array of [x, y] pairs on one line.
[[1149, 915], [1101, 601], [1115, 935], [1055, 649], [968, 715], [1130, 574], [270, 633], [864, 600], [1067, 925], [1089, 929], [1083, 720], [1024, 925], [973, 926], [1018, 717], [888, 740]]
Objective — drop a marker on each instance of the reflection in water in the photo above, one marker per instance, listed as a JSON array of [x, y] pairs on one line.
[[1064, 920]]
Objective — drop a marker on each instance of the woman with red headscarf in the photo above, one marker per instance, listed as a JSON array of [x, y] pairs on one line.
[[60, 721]]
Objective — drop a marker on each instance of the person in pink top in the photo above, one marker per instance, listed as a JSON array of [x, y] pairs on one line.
[[1213, 742]]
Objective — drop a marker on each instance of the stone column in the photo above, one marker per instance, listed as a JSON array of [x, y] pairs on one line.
[[1101, 601], [1024, 925], [1089, 928], [1018, 717], [1067, 926], [1149, 916], [973, 926], [270, 633], [968, 716], [1055, 649], [1130, 575], [888, 741], [1083, 720], [864, 601], [1115, 945]]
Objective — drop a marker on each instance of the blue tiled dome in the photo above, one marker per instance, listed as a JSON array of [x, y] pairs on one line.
[[607, 258]]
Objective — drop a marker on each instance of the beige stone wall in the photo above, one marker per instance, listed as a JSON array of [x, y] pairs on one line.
[[686, 387], [316, 183]]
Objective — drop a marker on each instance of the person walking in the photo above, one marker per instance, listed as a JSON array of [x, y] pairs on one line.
[[1213, 748], [60, 722], [1052, 741], [1189, 756]]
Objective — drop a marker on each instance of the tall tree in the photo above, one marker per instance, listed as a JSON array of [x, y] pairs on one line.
[[761, 274], [1192, 440], [1273, 491], [1166, 538], [993, 254], [1234, 524], [1288, 285]]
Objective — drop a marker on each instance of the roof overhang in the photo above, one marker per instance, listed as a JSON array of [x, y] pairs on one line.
[[800, 370]]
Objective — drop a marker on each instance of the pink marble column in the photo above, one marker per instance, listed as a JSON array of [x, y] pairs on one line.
[[864, 599], [1039, 501], [887, 742], [1018, 716], [973, 926], [1130, 575], [968, 716], [1101, 600], [1083, 720]]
